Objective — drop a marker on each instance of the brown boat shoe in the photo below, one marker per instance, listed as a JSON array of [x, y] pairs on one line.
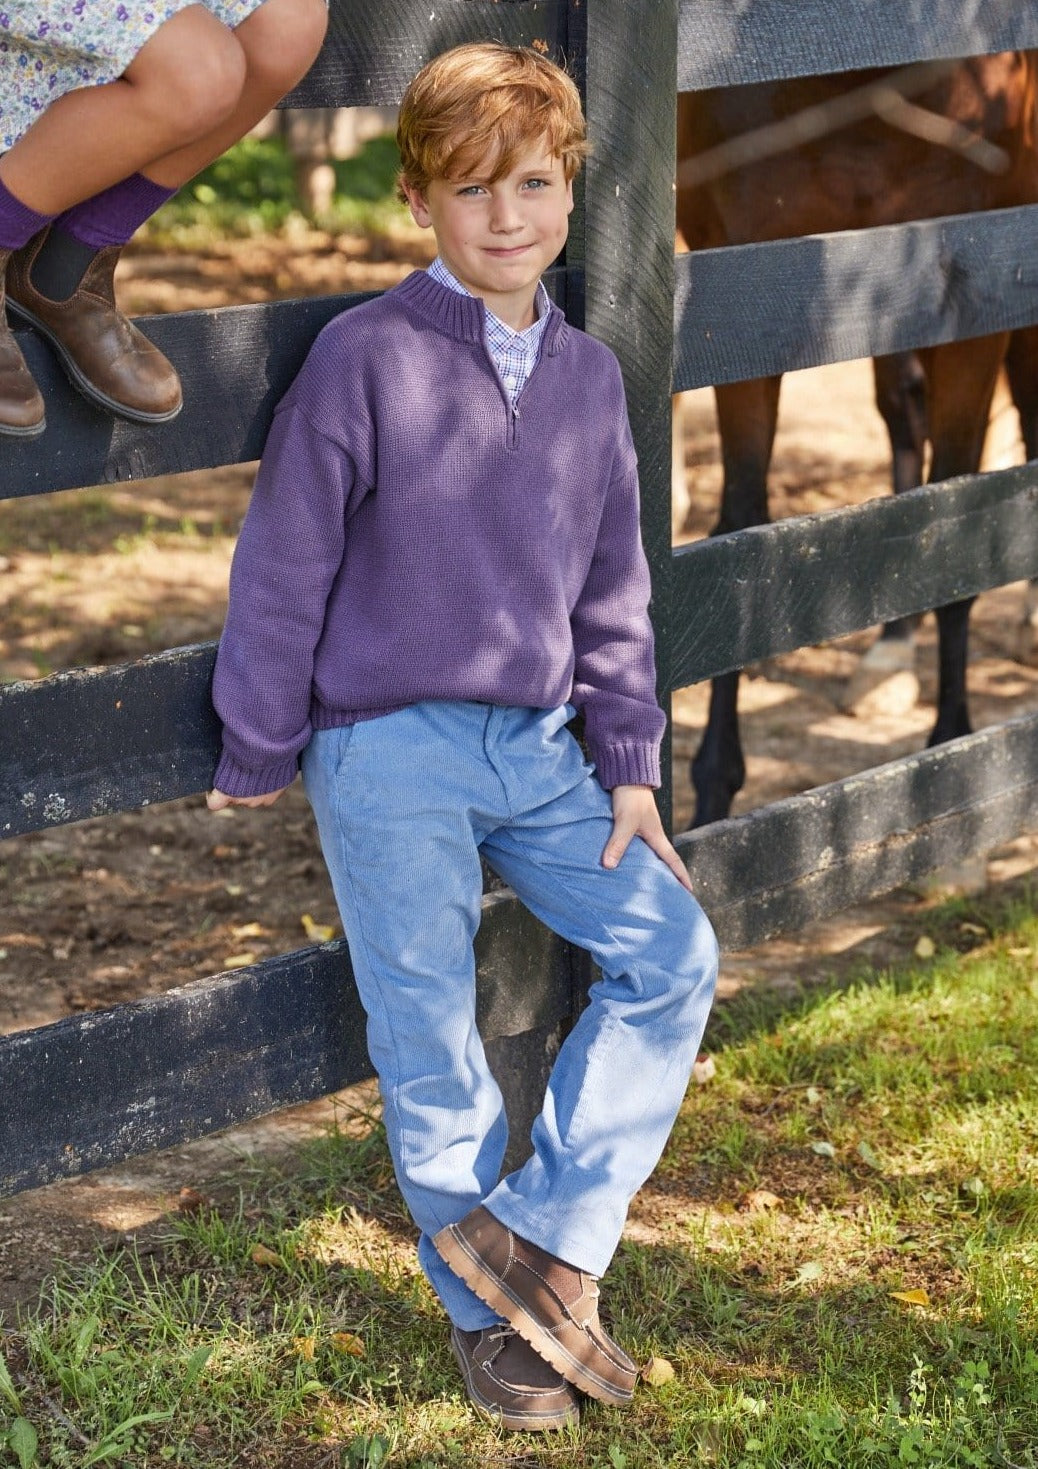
[[107, 358], [509, 1383], [550, 1304], [22, 413]]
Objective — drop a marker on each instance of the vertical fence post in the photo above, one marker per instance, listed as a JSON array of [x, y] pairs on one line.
[[625, 55]]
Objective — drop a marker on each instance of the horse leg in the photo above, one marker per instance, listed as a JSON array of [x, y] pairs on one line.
[[962, 378], [1022, 371], [901, 400], [885, 681], [746, 414]]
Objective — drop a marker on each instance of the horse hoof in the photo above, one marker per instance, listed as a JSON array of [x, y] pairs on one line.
[[884, 682]]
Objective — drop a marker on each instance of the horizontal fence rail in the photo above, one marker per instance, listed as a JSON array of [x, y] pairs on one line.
[[722, 45], [374, 47], [242, 361], [93, 742], [224, 1050], [811, 855], [741, 597], [747, 311], [100, 1087]]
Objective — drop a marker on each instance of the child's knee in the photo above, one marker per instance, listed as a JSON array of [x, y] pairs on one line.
[[191, 73], [281, 40], [695, 959]]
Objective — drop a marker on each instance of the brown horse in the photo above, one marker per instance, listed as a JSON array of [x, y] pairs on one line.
[[870, 172]]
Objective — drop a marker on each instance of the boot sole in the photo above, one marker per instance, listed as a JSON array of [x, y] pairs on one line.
[[20, 431], [79, 380], [464, 1262]]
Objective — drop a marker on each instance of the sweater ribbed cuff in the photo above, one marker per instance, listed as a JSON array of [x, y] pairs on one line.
[[627, 765], [236, 780]]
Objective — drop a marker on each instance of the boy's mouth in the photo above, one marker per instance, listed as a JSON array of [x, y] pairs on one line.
[[506, 252]]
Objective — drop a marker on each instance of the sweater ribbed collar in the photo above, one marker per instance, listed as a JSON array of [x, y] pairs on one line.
[[462, 317]]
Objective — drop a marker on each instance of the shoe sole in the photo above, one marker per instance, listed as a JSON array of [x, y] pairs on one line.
[[463, 1260], [530, 1421], [78, 378], [19, 431]]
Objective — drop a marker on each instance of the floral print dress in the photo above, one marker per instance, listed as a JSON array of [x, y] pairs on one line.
[[49, 47]]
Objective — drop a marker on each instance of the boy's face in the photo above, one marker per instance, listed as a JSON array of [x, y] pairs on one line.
[[498, 238]]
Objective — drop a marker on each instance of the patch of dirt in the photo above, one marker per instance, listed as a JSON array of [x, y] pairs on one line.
[[106, 911]]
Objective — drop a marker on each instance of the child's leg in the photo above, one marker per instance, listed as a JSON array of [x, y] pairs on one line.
[[279, 42], [534, 1249], [63, 282], [621, 1075], [182, 85], [401, 803]]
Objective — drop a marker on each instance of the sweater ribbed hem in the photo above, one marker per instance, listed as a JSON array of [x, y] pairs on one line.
[[627, 765], [237, 780]]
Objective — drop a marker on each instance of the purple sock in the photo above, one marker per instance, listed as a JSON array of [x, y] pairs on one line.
[[18, 223], [112, 216]]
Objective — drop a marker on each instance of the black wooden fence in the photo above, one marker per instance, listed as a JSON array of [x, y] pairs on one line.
[[100, 1087]]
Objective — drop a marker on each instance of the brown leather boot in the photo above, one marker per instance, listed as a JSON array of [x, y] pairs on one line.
[[108, 359], [21, 404]]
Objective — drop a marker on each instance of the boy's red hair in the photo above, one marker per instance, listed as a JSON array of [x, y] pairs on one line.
[[474, 109]]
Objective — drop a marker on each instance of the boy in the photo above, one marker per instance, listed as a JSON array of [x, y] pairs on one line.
[[441, 563]]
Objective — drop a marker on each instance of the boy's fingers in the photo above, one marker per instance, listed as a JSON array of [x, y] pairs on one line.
[[668, 854], [618, 842], [218, 800]]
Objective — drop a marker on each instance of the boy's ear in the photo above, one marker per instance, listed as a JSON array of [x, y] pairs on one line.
[[416, 202]]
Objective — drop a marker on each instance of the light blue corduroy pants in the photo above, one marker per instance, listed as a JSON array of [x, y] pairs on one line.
[[405, 804]]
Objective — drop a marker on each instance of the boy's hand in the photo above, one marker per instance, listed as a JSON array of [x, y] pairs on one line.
[[635, 815], [218, 800]]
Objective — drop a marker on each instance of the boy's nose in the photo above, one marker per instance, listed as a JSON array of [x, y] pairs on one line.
[[505, 216]]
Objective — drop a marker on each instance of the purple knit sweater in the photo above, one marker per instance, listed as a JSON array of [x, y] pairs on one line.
[[411, 536]]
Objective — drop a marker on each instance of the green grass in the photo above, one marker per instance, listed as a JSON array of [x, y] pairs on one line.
[[878, 1137], [251, 190]]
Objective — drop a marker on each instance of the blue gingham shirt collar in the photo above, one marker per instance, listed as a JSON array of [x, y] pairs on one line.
[[514, 353]]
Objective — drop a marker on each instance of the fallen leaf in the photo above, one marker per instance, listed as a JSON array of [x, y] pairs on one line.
[[249, 931], [824, 1150], [304, 1346], [810, 1270], [239, 961], [704, 1069], [190, 1201], [925, 948], [346, 1342], [760, 1201], [657, 1371], [262, 1255], [318, 933], [911, 1297]]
